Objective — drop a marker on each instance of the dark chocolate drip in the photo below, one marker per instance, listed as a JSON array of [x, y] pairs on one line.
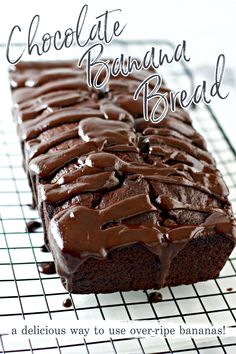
[[33, 225], [112, 133], [124, 99], [95, 239], [121, 148], [47, 268], [229, 289], [54, 119], [181, 128], [167, 203], [208, 183], [54, 193], [36, 148], [48, 103], [31, 206], [45, 165], [27, 93], [44, 249], [51, 75], [103, 135], [154, 142], [155, 297], [111, 111], [109, 131], [64, 235], [67, 303], [26, 68]]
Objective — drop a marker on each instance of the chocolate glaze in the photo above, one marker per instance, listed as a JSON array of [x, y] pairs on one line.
[[155, 297], [47, 268], [31, 206], [44, 249], [91, 223], [33, 225], [229, 289], [27, 93], [67, 302], [81, 142]]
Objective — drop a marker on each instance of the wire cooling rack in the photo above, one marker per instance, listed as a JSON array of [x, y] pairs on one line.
[[25, 293]]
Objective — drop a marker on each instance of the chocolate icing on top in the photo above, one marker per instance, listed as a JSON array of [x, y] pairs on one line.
[[155, 297], [85, 146]]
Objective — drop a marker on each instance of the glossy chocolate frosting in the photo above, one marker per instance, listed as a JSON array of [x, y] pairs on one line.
[[82, 144]]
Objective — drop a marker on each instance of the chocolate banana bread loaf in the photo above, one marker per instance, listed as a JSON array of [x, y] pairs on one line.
[[126, 204]]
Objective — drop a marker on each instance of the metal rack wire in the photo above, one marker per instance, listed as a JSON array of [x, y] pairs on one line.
[[25, 293]]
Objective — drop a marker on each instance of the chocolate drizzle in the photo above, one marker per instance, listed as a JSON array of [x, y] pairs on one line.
[[33, 225], [83, 147], [67, 303], [155, 297], [44, 249], [47, 268]]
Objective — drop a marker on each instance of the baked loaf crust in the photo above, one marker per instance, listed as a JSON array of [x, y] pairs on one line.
[[126, 204]]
